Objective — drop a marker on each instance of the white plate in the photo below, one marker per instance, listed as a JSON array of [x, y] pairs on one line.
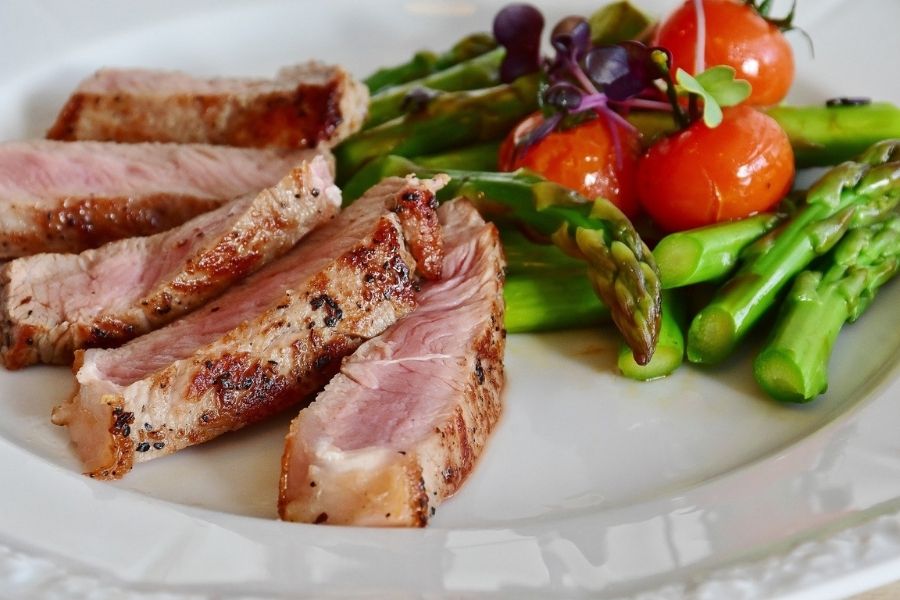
[[695, 486]]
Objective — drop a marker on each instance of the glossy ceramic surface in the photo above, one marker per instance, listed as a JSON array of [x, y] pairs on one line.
[[594, 485]]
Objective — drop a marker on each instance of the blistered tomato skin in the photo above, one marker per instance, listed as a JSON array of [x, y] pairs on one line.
[[583, 158], [735, 36], [701, 176]]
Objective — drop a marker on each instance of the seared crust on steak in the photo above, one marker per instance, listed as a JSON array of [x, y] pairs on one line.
[[400, 428], [304, 106], [53, 304], [268, 343], [68, 197]]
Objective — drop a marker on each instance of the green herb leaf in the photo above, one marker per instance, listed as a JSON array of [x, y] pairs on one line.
[[717, 87], [712, 114], [720, 83]]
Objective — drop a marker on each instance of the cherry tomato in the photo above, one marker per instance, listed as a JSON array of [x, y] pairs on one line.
[[701, 176], [582, 158], [737, 36]]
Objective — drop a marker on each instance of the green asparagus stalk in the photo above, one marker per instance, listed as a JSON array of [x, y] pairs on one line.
[[545, 288], [828, 135], [544, 300], [617, 22], [424, 63], [708, 253], [793, 366], [478, 157], [669, 352], [479, 72], [620, 266], [850, 195], [451, 120], [819, 135], [528, 257]]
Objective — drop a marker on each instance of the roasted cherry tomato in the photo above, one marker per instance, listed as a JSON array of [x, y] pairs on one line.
[[701, 176], [737, 36], [583, 158]]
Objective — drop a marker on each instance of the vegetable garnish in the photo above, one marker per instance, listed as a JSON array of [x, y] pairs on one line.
[[581, 80], [518, 28]]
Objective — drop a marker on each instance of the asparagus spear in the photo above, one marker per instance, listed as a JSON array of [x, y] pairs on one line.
[[451, 120], [617, 22], [793, 366], [478, 157], [669, 349], [707, 253], [828, 135], [524, 256], [850, 195], [545, 288], [479, 72], [820, 136], [543, 300], [425, 62]]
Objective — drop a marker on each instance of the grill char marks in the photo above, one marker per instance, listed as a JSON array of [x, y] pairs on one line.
[[52, 304], [69, 197], [400, 428], [417, 209], [267, 343], [304, 106]]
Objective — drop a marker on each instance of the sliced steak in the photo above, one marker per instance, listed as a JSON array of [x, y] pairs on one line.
[[400, 428], [304, 105], [52, 304], [68, 197], [267, 343]]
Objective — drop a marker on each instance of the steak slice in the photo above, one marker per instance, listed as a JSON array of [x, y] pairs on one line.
[[400, 428], [304, 105], [266, 344], [68, 197], [52, 304]]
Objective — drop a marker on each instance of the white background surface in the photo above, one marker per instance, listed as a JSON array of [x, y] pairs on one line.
[[593, 485]]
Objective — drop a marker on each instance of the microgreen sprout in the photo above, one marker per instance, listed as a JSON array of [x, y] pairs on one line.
[[717, 87], [583, 81]]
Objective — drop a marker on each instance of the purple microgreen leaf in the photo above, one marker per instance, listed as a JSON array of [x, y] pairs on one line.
[[712, 113], [622, 71], [564, 97], [518, 28], [572, 37], [720, 84], [607, 65]]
